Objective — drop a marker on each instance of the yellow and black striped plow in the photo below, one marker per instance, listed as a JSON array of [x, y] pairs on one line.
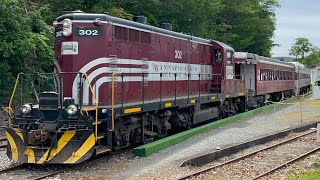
[[72, 147]]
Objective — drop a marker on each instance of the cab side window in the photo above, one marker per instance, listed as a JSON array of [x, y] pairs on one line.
[[217, 56], [228, 54]]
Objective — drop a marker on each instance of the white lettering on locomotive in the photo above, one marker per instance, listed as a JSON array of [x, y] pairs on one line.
[[88, 32], [168, 70], [178, 54]]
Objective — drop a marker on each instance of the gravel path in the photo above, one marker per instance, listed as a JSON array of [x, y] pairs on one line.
[[165, 164]]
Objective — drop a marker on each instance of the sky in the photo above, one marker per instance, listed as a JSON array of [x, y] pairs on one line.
[[296, 18]]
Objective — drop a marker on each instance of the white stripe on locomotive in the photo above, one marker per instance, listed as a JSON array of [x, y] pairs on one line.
[[194, 69]]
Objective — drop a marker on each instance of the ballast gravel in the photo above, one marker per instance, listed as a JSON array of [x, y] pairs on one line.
[[165, 164], [264, 161]]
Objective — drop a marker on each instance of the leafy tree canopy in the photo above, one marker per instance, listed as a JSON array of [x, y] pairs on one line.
[[305, 52], [26, 26], [301, 47], [26, 43]]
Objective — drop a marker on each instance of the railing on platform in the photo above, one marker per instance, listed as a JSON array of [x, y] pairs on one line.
[[58, 78], [174, 78]]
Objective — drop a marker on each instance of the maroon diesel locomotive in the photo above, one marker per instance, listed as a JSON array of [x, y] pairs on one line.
[[119, 83]]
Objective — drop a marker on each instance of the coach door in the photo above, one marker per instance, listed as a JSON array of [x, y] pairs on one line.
[[250, 78]]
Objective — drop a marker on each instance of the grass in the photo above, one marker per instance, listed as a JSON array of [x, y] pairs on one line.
[[310, 175]]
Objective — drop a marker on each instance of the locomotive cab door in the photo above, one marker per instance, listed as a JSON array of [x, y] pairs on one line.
[[217, 70]]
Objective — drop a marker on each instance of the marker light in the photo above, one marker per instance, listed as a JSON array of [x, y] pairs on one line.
[[66, 23], [66, 32], [67, 27], [72, 110], [26, 109]]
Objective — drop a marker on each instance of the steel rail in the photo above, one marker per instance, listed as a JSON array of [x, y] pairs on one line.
[[83, 164], [52, 174], [3, 145], [244, 156], [9, 169], [286, 163]]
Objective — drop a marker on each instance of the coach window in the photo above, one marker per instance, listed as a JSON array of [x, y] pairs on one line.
[[285, 75], [265, 75], [217, 56]]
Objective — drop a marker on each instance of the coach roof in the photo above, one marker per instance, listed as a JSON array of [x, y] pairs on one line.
[[268, 60]]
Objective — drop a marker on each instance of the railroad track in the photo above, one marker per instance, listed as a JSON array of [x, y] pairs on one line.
[[36, 172], [251, 154], [3, 145], [83, 164], [11, 169]]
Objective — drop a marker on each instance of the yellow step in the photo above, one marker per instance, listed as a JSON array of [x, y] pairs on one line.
[[100, 150], [100, 136], [94, 122]]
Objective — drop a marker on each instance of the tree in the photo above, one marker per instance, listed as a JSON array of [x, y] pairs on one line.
[[311, 59], [250, 25], [301, 47], [25, 43]]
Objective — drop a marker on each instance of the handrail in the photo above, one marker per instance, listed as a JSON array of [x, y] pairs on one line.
[[96, 106], [14, 89], [9, 108], [112, 99]]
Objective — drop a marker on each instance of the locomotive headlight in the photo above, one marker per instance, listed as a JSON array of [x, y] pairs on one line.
[[26, 109], [66, 32], [66, 23], [72, 110], [67, 27]]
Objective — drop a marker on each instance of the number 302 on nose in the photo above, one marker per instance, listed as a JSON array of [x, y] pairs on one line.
[[89, 32]]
